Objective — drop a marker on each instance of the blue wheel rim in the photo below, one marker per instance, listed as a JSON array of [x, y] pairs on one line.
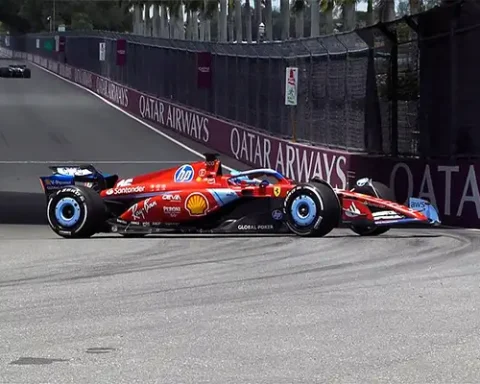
[[303, 211], [67, 212]]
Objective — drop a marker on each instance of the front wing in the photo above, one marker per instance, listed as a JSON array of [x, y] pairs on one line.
[[376, 212]]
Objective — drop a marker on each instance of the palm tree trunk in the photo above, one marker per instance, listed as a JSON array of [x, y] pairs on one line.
[[238, 21], [222, 34], [285, 14], [164, 28], [348, 11], [328, 7], [314, 18], [206, 20], [370, 13], [248, 21], [148, 20], [268, 21], [299, 23], [258, 16], [231, 24], [156, 21], [387, 12]]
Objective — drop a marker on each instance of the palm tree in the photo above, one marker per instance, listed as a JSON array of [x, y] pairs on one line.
[[314, 18], [192, 8], [238, 20], [285, 14], [222, 34], [348, 14], [327, 7], [268, 20], [175, 9], [386, 10], [248, 21], [230, 21], [258, 15], [298, 10], [370, 13]]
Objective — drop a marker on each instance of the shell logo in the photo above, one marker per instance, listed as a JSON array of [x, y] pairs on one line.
[[196, 204]]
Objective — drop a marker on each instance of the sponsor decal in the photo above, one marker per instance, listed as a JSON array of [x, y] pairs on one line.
[[112, 92], [386, 215], [139, 214], [84, 78], [73, 171], [418, 205], [184, 121], [277, 190], [197, 204], [255, 227], [52, 183], [172, 198], [277, 214], [172, 211], [121, 191], [452, 189], [124, 183], [184, 174], [294, 161]]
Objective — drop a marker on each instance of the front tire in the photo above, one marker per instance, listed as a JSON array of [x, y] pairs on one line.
[[382, 192], [312, 210], [75, 212]]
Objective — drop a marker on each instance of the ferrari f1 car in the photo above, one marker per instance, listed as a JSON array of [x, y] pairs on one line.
[[198, 198], [15, 70]]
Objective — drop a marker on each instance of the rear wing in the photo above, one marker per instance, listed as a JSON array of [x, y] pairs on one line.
[[82, 174]]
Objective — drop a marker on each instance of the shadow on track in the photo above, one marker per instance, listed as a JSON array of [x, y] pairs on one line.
[[22, 208]]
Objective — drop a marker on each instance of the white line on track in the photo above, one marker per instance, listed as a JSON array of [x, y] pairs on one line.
[[55, 162], [152, 128]]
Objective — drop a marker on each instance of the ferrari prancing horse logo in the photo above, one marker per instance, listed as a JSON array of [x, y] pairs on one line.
[[277, 190]]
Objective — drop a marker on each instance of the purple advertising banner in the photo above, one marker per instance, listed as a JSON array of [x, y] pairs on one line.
[[204, 70], [451, 187], [121, 52]]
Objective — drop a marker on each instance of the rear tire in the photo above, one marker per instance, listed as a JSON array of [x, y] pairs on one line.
[[76, 212], [27, 73], [312, 210], [3, 72], [383, 192]]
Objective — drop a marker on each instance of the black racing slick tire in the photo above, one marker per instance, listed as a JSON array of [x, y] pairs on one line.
[[76, 212], [312, 209], [3, 72], [383, 192], [27, 73]]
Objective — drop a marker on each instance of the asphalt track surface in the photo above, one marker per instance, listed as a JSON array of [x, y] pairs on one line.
[[400, 308]]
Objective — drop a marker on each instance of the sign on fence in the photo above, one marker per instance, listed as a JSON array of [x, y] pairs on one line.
[[291, 85], [204, 69], [101, 51], [37, 43], [121, 52]]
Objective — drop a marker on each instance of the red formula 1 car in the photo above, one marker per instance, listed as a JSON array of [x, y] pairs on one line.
[[199, 198]]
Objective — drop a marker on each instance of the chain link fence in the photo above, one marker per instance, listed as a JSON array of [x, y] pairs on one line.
[[363, 91]]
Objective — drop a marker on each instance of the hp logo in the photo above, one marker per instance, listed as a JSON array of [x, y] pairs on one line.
[[184, 174]]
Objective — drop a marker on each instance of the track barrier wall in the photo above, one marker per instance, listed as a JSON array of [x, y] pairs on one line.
[[449, 182]]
